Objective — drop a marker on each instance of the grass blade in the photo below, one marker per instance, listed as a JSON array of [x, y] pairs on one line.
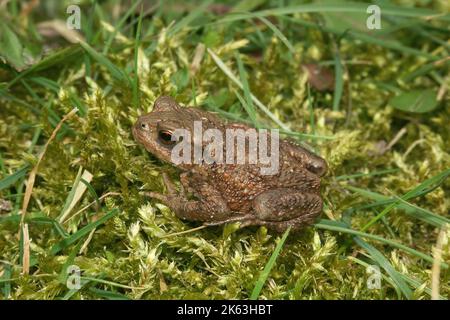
[[340, 227], [338, 7], [82, 232], [70, 197], [117, 73], [411, 209], [183, 23], [278, 33], [137, 43], [118, 26], [70, 293], [32, 177], [111, 283], [339, 82], [6, 280], [55, 224], [36, 218], [385, 277], [59, 57], [91, 191], [430, 183], [63, 275], [76, 193], [14, 177], [265, 273], [378, 257], [247, 103], [359, 175], [233, 78], [390, 44], [412, 282]]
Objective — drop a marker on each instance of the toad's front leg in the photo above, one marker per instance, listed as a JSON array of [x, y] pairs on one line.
[[210, 208]]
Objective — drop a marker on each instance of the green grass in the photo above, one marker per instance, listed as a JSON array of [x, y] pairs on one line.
[[382, 207], [270, 263]]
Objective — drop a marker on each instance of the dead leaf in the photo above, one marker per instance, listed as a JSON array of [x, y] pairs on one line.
[[32, 176], [57, 28], [79, 191], [26, 250], [319, 77]]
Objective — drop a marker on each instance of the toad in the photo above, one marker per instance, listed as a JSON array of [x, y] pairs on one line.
[[221, 192]]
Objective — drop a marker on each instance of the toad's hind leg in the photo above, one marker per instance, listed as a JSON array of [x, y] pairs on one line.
[[284, 207]]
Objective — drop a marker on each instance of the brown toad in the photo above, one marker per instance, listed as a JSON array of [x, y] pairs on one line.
[[225, 192]]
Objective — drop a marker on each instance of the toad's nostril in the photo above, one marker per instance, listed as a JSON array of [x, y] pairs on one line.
[[143, 126]]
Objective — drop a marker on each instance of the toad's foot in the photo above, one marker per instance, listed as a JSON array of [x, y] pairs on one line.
[[246, 217]]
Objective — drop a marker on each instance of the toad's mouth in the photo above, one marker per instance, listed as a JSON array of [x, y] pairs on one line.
[[137, 134]]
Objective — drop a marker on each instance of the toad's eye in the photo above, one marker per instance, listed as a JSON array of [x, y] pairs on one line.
[[165, 136]]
